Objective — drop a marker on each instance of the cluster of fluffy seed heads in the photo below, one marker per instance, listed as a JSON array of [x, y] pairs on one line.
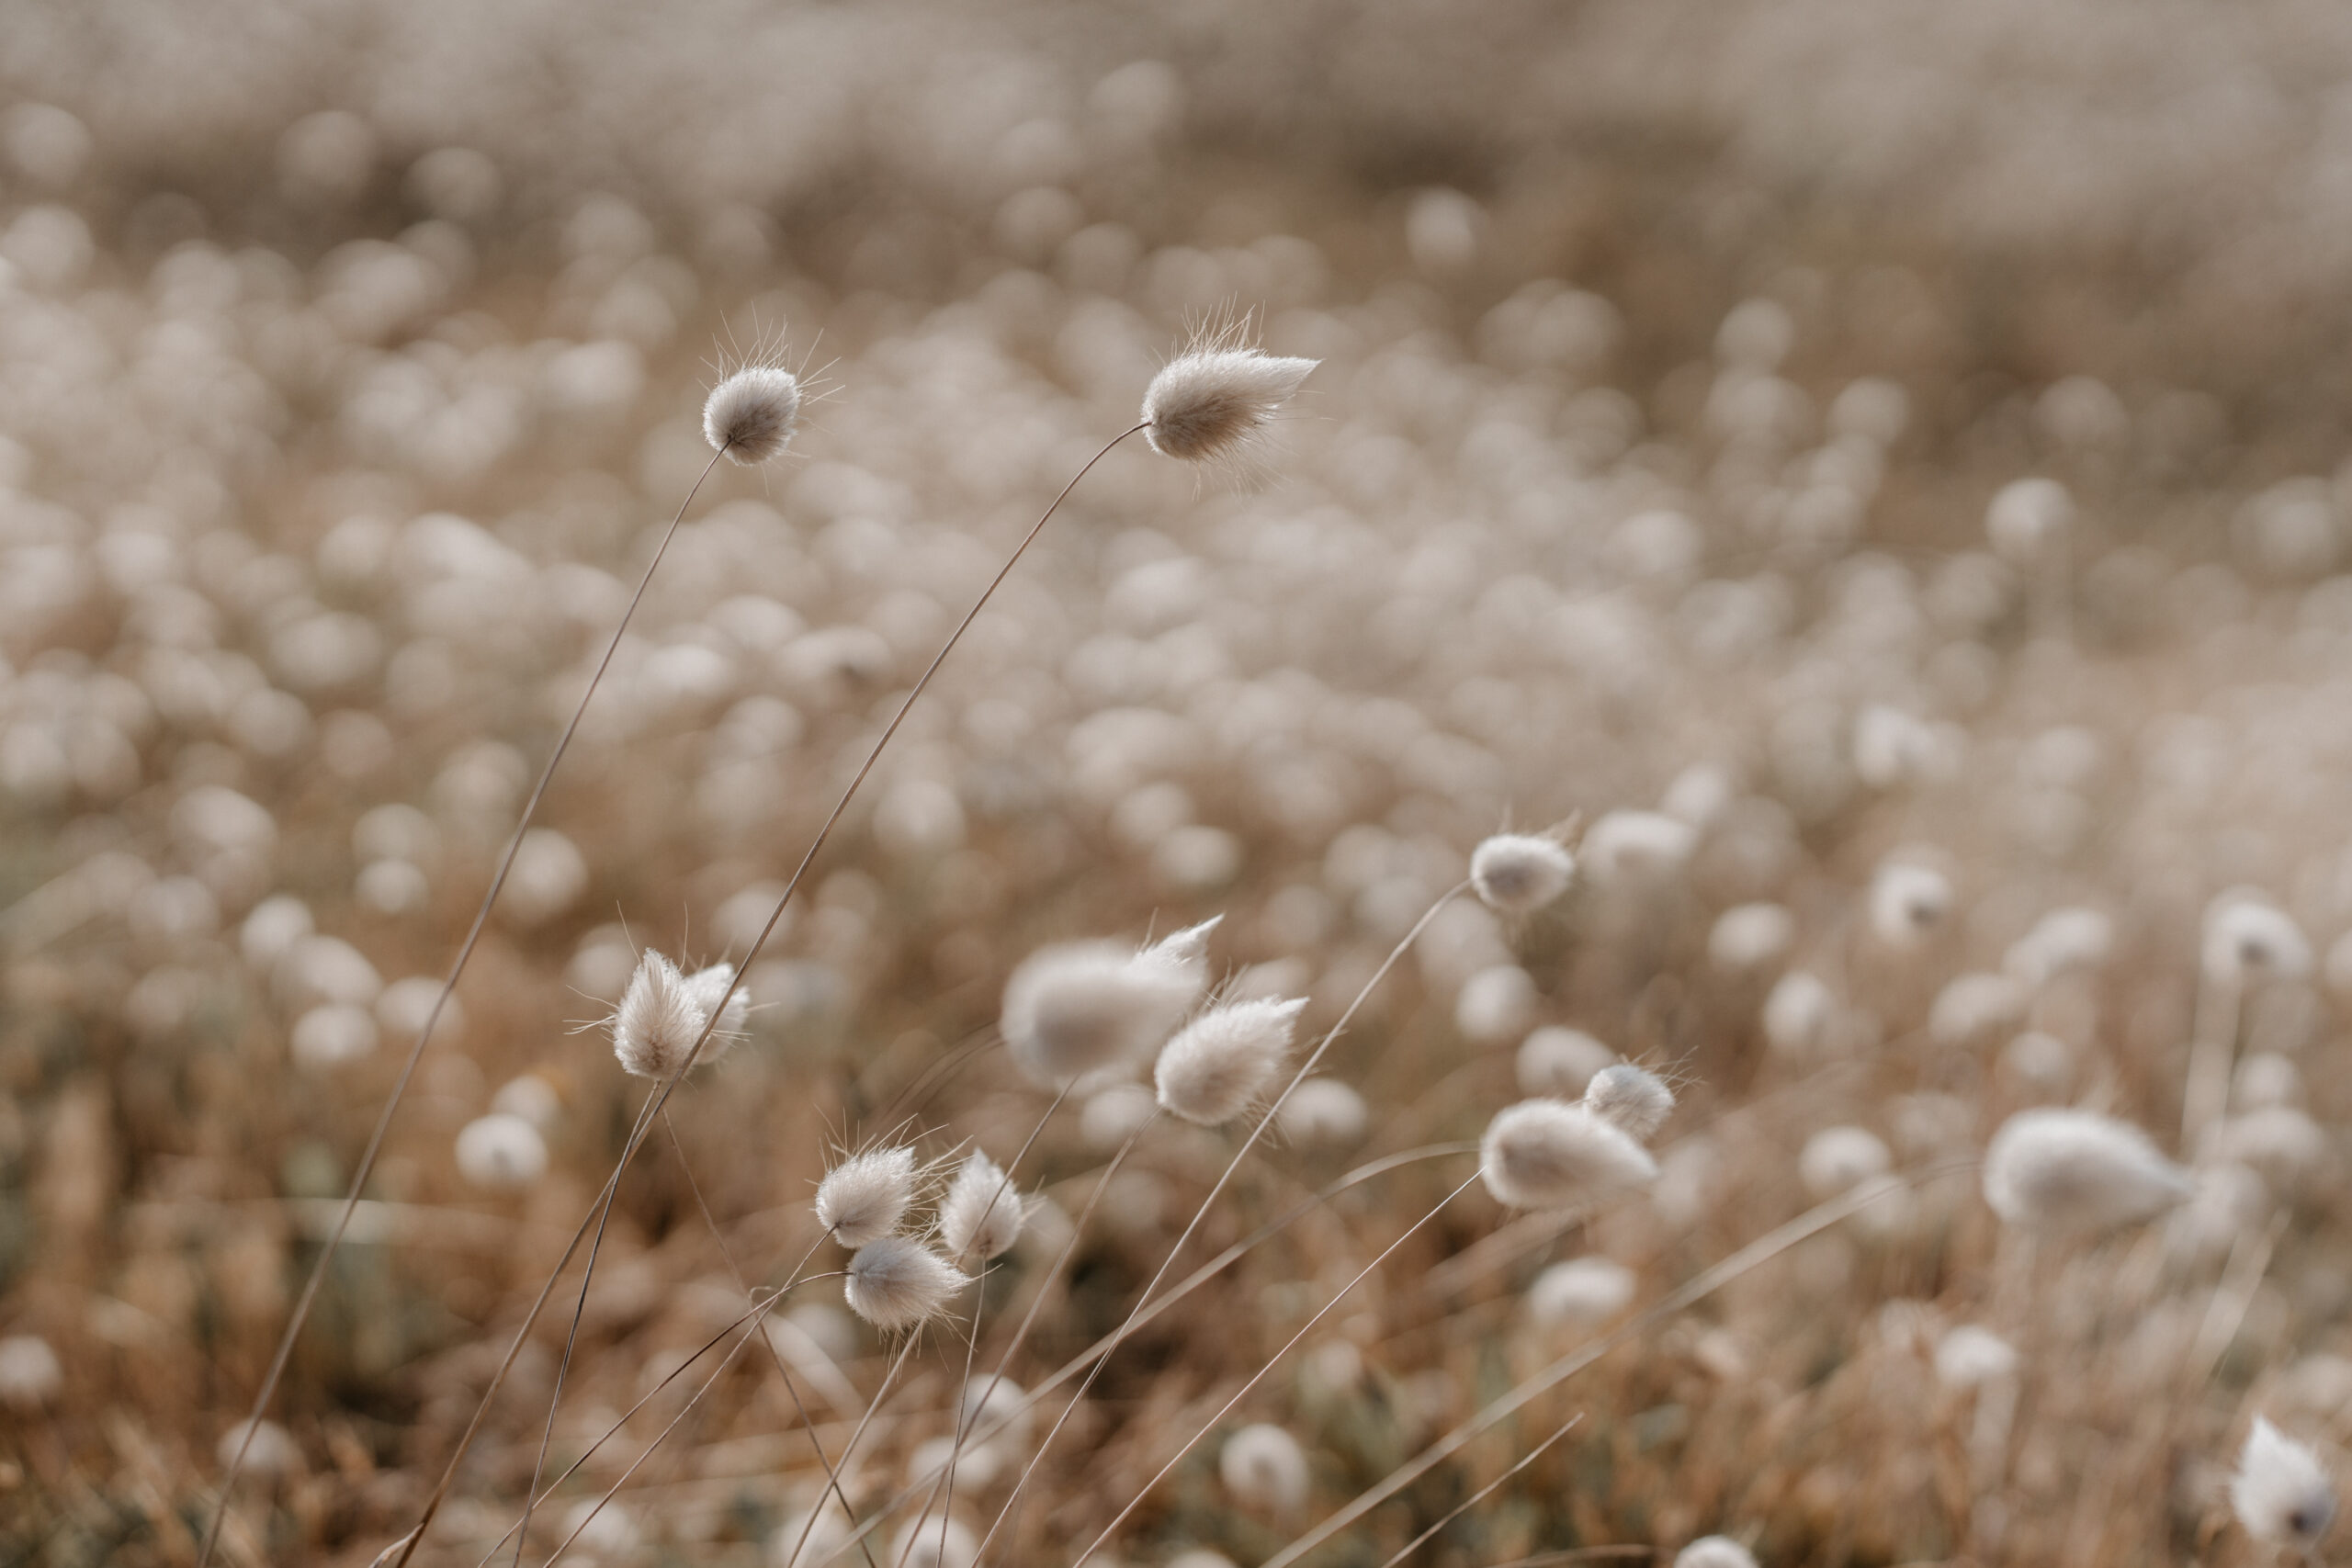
[[1209, 401], [664, 1012], [981, 1217], [1518, 873], [2280, 1492], [2070, 1171], [751, 415], [863, 1199], [1629, 1097], [1219, 1065], [895, 1281], [1083, 1007], [1547, 1154]]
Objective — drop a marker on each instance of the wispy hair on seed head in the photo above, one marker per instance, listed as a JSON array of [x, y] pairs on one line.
[[1213, 401]]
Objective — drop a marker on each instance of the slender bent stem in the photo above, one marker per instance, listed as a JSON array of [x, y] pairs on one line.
[[1483, 1492], [408, 1546], [408, 1069], [1259, 1375], [1256, 1132]]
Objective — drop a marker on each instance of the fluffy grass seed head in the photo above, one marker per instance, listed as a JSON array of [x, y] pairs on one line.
[[1582, 1290], [2280, 1492], [502, 1153], [2248, 939], [751, 415], [1971, 1356], [1264, 1469], [1714, 1552], [1518, 873], [1629, 1097], [707, 986], [2070, 1171], [1082, 1006], [1219, 1063], [658, 1020], [895, 1281], [30, 1374], [1837, 1159], [863, 1199], [1210, 399], [981, 1217], [1546, 1154], [942, 1542]]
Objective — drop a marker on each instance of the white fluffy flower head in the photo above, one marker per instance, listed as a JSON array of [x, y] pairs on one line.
[[1210, 399], [981, 1217], [1546, 1154], [1264, 1469], [2280, 1490], [1518, 873], [2069, 1171], [1220, 1064], [863, 1198], [751, 415], [1629, 1097], [897, 1282], [1082, 1006], [659, 1017]]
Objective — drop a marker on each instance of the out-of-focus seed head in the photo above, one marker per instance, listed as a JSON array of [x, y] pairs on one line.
[[1264, 1469], [981, 1216], [1560, 1062], [1085, 1007], [896, 1282], [1971, 1357], [1908, 903], [751, 415], [863, 1199], [942, 1542], [1546, 1153], [30, 1374], [1714, 1552], [1518, 873], [1749, 937], [1838, 1158], [2071, 1171], [1629, 1097], [2026, 518], [1218, 1065], [2249, 939], [500, 1153], [272, 1454], [707, 986], [2281, 1492], [1323, 1114], [1582, 1290], [1210, 399], [1798, 1015]]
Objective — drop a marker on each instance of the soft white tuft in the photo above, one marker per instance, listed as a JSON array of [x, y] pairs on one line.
[[1209, 401], [895, 1283], [1264, 1469], [1907, 903], [30, 1374], [1714, 1552], [863, 1198], [1837, 1159], [981, 1216], [657, 1021], [1518, 873], [2249, 939], [751, 415], [1971, 1356], [1082, 1006], [943, 1542], [500, 1153], [2280, 1490], [1751, 936], [2062, 1171], [1546, 1154], [706, 987], [1220, 1063], [1629, 1097], [1323, 1113], [1582, 1290]]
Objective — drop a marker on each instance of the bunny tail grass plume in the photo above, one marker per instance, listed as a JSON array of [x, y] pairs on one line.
[[1220, 1063], [1546, 1154], [2280, 1493], [1626, 1096], [1080, 1006], [706, 987], [981, 1216], [659, 1017], [2067, 1171], [1518, 873], [863, 1199], [1264, 1469], [1714, 1552], [1210, 399], [895, 1283], [751, 416]]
